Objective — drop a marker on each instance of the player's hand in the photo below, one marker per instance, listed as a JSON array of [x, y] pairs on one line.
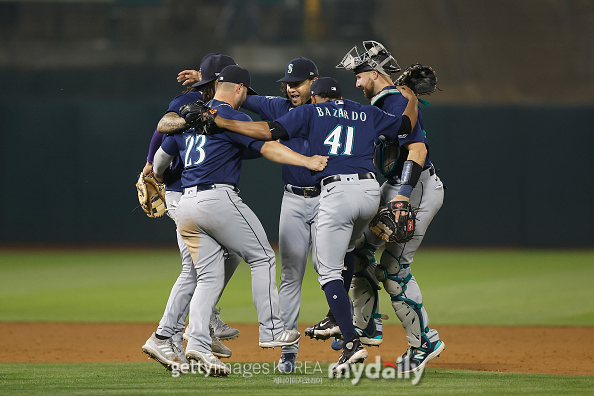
[[317, 163], [188, 77], [397, 213], [407, 92], [148, 169]]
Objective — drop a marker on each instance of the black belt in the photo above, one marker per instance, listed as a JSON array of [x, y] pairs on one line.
[[202, 187], [307, 192], [331, 179]]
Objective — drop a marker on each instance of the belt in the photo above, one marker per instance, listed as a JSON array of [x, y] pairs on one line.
[[202, 187], [396, 180], [307, 192], [331, 179]]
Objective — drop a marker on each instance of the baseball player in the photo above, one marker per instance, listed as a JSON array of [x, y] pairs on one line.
[[212, 219], [345, 131], [299, 206], [165, 344], [413, 179]]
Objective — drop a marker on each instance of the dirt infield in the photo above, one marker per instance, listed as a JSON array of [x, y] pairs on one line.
[[549, 350]]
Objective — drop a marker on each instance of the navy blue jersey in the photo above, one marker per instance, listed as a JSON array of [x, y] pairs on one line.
[[215, 158], [392, 101], [174, 181], [343, 130], [270, 108]]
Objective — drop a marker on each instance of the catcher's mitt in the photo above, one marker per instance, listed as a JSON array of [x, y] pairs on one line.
[[385, 155], [151, 195], [199, 116], [385, 226], [419, 78]]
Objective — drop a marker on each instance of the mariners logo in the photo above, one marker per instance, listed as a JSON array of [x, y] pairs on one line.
[[290, 68]]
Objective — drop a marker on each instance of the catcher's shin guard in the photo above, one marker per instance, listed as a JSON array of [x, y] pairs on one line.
[[408, 311], [409, 314], [365, 299]]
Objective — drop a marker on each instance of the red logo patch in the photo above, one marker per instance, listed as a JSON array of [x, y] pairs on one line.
[[410, 226]]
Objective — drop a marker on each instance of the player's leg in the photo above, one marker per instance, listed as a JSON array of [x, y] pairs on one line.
[[167, 340], [244, 234], [395, 272], [364, 288], [296, 220], [202, 345], [221, 329], [344, 212]]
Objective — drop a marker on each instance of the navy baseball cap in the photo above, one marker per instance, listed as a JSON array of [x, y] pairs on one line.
[[211, 66], [237, 75], [300, 69], [325, 85]]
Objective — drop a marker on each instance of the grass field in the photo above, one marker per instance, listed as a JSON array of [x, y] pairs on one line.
[[148, 378], [492, 287], [486, 287]]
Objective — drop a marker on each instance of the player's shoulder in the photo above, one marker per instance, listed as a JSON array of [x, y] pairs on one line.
[[185, 98]]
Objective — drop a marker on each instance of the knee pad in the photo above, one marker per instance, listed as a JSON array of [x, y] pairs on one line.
[[365, 298], [393, 285]]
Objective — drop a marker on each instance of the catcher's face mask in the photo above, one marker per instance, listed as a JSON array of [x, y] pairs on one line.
[[375, 57]]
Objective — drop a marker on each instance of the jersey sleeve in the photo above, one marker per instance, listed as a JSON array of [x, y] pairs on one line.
[[296, 121], [386, 124], [156, 141], [183, 99], [267, 107], [169, 145]]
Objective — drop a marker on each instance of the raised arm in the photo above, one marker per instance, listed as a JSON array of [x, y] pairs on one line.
[[257, 130], [412, 108], [276, 152]]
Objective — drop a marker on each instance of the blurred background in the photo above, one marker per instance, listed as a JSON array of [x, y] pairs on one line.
[[83, 84]]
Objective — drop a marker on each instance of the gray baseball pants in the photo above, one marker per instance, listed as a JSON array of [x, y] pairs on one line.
[[178, 304], [211, 222]]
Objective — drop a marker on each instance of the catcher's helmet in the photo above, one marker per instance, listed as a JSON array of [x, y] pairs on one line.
[[375, 57]]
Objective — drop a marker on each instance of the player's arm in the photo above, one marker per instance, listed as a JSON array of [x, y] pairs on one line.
[[276, 152], [411, 171], [411, 112], [171, 122], [261, 130], [161, 163]]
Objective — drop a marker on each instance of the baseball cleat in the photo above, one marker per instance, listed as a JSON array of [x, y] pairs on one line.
[[287, 363], [209, 363], [163, 351], [325, 329], [221, 329], [337, 344], [353, 352], [218, 348], [285, 338], [416, 358], [177, 340], [373, 336]]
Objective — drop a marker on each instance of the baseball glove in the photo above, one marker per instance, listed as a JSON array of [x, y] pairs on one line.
[[199, 116], [385, 155], [385, 226], [151, 195], [420, 79]]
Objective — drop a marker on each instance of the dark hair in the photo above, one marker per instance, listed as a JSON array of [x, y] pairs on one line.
[[329, 95], [190, 89], [283, 89], [208, 91]]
